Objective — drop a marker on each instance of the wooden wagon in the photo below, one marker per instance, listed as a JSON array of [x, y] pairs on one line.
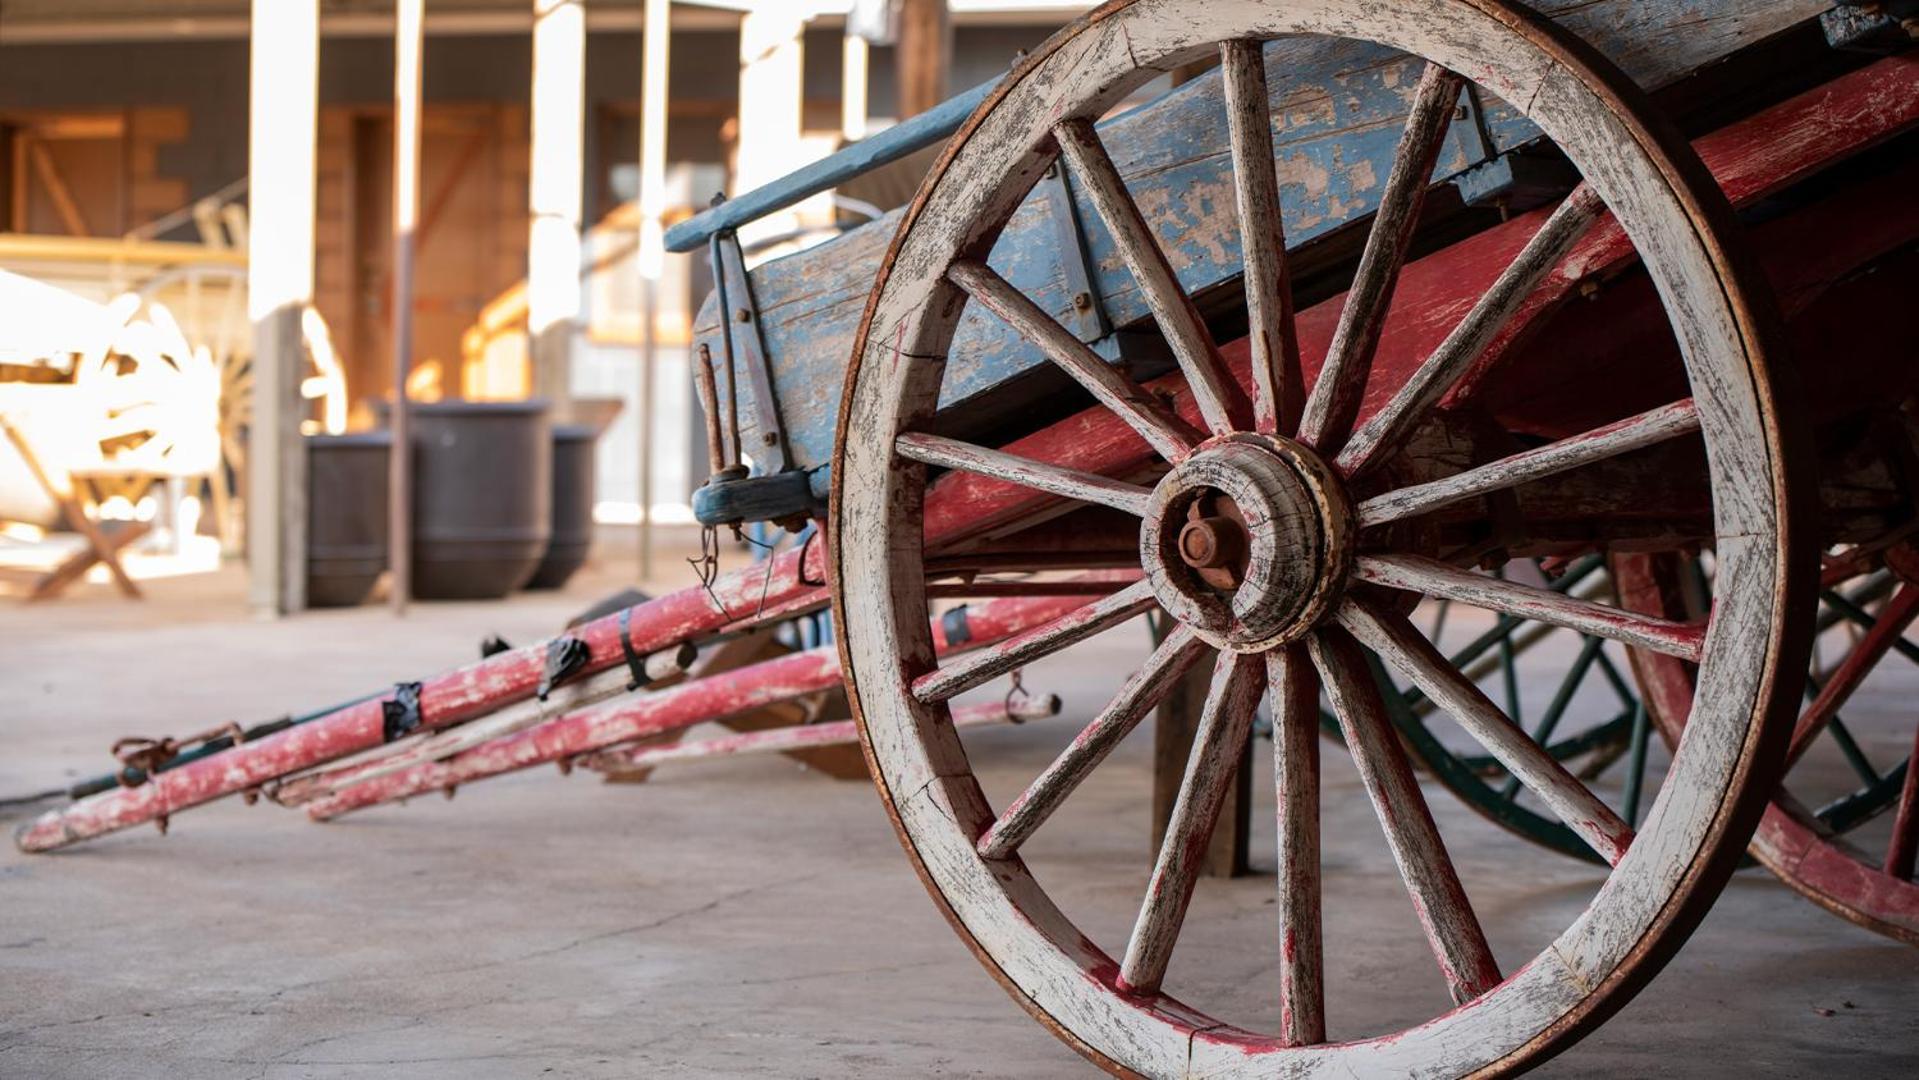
[[1282, 322]]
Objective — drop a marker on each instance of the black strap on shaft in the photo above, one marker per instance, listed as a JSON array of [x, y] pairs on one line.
[[401, 712], [635, 663], [954, 623], [564, 657]]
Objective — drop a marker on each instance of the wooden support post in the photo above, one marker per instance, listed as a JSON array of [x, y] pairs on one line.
[[924, 56], [1174, 724], [853, 69], [408, 39], [556, 193], [771, 97], [282, 140], [654, 62]]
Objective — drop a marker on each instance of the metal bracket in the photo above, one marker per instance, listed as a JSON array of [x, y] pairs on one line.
[[743, 347], [1514, 180], [1885, 26], [400, 714], [1086, 315], [1466, 135]]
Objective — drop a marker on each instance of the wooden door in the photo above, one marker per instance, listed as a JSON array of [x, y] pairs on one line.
[[470, 243], [67, 174]]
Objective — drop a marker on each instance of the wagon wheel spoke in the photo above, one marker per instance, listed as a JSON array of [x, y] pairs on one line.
[[1335, 398], [1633, 433], [1302, 977], [1224, 723], [1278, 385], [1141, 694], [1898, 614], [1218, 398], [1430, 577], [1903, 846], [1381, 435], [989, 663], [1026, 472], [1439, 900], [1170, 436], [1404, 649]]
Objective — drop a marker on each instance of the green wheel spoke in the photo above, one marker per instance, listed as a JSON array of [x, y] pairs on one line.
[[1849, 811], [1636, 765], [1561, 699]]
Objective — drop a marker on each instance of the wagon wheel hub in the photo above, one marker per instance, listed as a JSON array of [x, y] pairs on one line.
[[1248, 541]]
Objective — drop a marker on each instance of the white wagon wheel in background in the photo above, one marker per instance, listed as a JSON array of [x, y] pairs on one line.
[[1324, 577], [204, 308]]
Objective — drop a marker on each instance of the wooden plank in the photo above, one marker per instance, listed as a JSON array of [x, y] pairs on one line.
[[1055, 479], [1176, 724], [1406, 649], [1279, 386], [1382, 434], [1171, 437], [1439, 901], [1334, 150], [1218, 748], [1349, 359], [1165, 297], [1624, 436], [990, 663], [1430, 577], [1294, 693], [1148, 686]]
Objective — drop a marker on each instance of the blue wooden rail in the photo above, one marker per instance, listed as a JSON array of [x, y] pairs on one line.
[[829, 172]]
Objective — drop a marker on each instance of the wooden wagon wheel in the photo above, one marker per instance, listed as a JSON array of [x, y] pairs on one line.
[[204, 307], [1303, 529], [1815, 834]]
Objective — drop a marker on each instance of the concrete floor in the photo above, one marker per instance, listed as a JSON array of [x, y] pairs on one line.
[[726, 919]]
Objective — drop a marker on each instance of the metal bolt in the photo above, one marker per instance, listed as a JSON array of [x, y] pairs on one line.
[[1208, 542], [1052, 170], [767, 438], [1082, 301], [1459, 112], [743, 315]]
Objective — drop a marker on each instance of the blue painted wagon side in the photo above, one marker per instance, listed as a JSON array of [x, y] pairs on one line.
[[1337, 108]]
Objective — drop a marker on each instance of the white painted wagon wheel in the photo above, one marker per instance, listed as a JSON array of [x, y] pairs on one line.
[[1818, 834], [1301, 611], [204, 306]]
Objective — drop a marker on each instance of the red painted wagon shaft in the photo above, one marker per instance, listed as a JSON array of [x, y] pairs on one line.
[[716, 697], [444, 700], [809, 736]]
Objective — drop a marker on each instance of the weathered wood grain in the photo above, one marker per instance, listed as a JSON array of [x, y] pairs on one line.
[[964, 673], [1334, 402], [1439, 901], [1335, 110], [1058, 480], [1382, 434], [1224, 724], [1143, 690], [1406, 649], [1178, 318], [1624, 436], [1172, 437], [1430, 577], [1294, 688], [1279, 386]]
